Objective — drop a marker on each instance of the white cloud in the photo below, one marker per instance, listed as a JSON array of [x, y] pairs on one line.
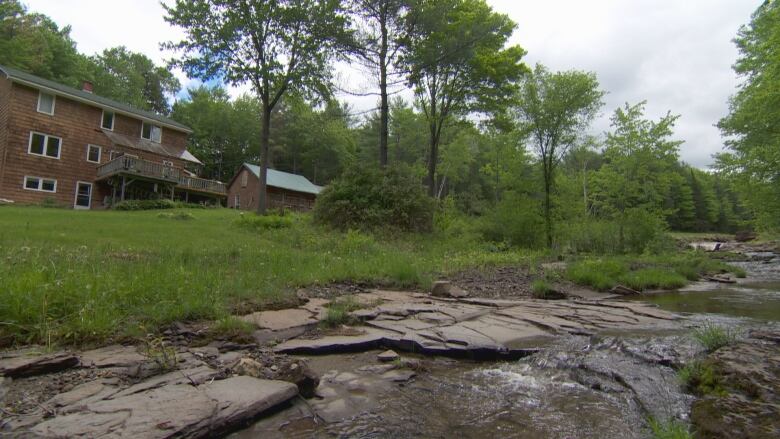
[[674, 54]]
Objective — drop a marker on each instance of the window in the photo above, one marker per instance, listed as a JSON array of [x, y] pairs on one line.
[[107, 121], [151, 132], [44, 145], [83, 195], [40, 184], [93, 153], [244, 176], [46, 103], [115, 155], [237, 202]]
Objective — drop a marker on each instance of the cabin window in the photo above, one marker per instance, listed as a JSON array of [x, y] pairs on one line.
[[44, 145], [237, 201], [244, 178], [107, 121], [151, 132], [46, 103], [93, 153], [40, 184]]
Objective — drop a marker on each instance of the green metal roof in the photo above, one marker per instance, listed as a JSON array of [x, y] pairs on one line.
[[286, 180], [57, 88]]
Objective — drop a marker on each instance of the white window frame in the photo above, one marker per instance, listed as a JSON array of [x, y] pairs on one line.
[[100, 152], [76, 195], [113, 120], [45, 145], [53, 102], [40, 184], [151, 132], [237, 201], [244, 178]]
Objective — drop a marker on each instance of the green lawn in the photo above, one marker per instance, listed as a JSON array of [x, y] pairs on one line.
[[87, 276]]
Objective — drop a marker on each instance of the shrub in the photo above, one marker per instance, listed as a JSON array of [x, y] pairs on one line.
[[713, 337], [516, 221], [368, 199], [541, 289], [641, 229], [259, 223], [145, 204]]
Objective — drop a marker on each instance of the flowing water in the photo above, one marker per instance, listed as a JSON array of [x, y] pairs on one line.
[[580, 387]]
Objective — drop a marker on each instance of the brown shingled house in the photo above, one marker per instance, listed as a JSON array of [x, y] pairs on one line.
[[78, 149]]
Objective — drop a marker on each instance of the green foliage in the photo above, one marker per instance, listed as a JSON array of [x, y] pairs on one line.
[[663, 271], [642, 232], [754, 114], [701, 378], [72, 277], [669, 429], [552, 109], [145, 204], [713, 337], [159, 351], [232, 328], [367, 199], [338, 312], [259, 223], [516, 221], [541, 289], [459, 62], [180, 216]]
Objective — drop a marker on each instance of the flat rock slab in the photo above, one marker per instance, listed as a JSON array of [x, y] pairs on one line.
[[479, 328], [112, 356], [30, 363], [283, 319], [176, 410]]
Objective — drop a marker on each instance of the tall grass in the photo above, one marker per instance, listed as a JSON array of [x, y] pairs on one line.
[[713, 337], [74, 276], [670, 429]]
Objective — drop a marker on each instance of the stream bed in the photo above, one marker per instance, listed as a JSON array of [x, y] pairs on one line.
[[602, 386]]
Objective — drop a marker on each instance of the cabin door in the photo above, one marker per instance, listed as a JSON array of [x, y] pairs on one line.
[[83, 195]]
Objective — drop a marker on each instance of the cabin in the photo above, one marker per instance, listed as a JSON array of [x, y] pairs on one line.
[[284, 190], [70, 147]]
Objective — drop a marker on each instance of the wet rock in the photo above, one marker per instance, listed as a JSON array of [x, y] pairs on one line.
[[749, 407], [84, 393], [300, 374], [180, 410], [388, 355], [624, 291], [248, 367], [399, 376], [4, 382], [445, 288], [30, 363], [377, 368]]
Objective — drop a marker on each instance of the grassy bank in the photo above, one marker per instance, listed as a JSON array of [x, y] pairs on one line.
[[74, 276]]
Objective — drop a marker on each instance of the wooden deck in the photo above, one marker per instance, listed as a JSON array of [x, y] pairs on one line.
[[134, 167]]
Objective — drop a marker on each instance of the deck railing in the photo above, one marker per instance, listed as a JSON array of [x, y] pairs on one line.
[[157, 171]]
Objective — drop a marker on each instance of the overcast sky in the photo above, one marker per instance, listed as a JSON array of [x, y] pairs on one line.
[[675, 54]]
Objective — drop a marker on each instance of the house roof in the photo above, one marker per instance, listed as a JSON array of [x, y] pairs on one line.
[[99, 101], [148, 145], [286, 180]]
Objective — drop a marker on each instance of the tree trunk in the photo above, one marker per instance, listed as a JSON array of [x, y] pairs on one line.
[[432, 158], [265, 139], [385, 109], [548, 206]]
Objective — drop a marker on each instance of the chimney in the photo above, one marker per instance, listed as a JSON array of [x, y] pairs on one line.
[[86, 86]]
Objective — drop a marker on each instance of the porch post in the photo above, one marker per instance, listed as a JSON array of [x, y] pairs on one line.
[[123, 188]]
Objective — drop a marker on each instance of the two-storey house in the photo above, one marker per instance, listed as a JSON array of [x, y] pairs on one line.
[[75, 148]]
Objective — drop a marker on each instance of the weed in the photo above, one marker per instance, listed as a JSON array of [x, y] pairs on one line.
[[339, 312], [541, 289], [669, 429], [158, 351], [232, 328], [713, 337], [259, 223], [701, 378]]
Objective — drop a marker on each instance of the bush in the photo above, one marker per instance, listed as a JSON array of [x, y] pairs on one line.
[[641, 231], [368, 199], [259, 223], [701, 378], [516, 221], [145, 204]]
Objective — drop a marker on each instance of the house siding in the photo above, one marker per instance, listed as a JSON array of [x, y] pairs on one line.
[[78, 125], [5, 105], [248, 195]]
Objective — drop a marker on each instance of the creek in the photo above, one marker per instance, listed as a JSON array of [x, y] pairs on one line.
[[601, 386]]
